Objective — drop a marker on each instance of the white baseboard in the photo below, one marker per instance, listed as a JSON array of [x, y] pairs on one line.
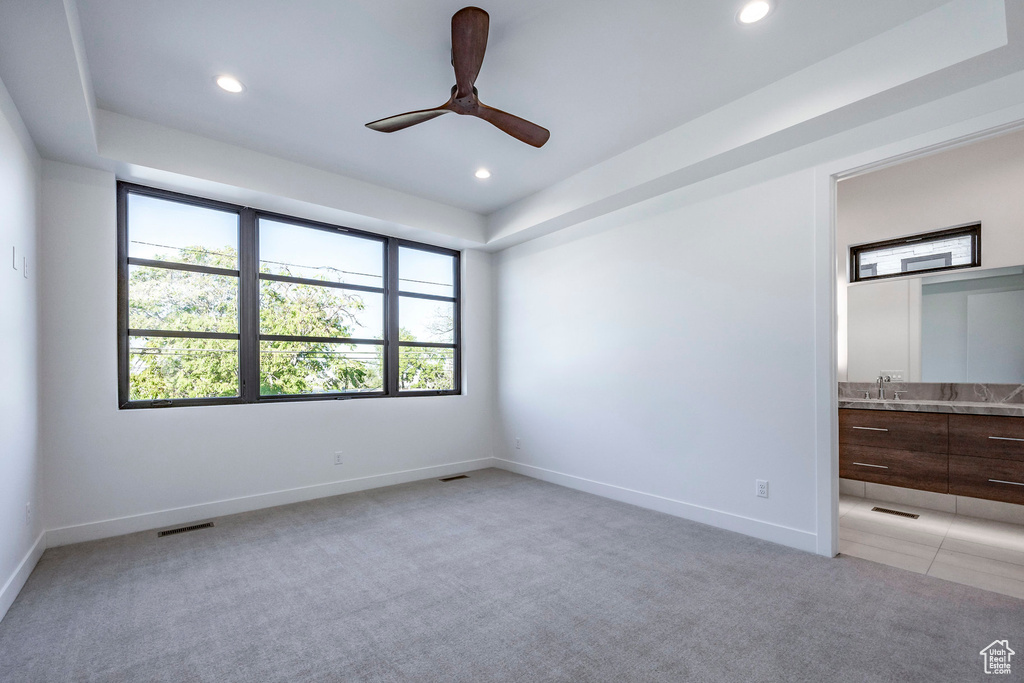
[[163, 518], [794, 538], [17, 581]]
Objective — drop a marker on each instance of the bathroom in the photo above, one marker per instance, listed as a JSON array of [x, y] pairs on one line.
[[930, 330]]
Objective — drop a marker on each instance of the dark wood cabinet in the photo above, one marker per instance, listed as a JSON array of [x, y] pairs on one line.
[[987, 436], [910, 469], [981, 456], [990, 478], [927, 432]]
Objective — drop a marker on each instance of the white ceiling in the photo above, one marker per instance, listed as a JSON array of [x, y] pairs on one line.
[[602, 75]]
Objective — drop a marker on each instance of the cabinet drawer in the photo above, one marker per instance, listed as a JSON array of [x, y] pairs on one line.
[[910, 469], [987, 436], [987, 478], [894, 429]]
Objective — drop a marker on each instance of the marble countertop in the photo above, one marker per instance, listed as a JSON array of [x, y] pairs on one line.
[[921, 406], [922, 397]]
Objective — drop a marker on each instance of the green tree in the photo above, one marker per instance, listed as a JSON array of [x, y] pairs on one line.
[[288, 308], [424, 367], [166, 367], [428, 367], [164, 299]]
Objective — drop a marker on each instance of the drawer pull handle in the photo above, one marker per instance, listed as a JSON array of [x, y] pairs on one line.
[[1001, 481], [881, 467], [880, 429], [1005, 438]]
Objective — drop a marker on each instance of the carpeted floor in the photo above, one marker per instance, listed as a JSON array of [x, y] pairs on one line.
[[496, 577]]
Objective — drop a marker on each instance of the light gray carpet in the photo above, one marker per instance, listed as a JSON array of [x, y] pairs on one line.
[[493, 578]]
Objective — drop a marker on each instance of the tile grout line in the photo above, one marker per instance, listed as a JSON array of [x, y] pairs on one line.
[[883, 562], [943, 536], [989, 546], [982, 571], [981, 557], [866, 501], [979, 541], [892, 538], [982, 575], [882, 524]]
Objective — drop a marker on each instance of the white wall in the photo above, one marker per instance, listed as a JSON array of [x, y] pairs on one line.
[[977, 182], [959, 347], [669, 360], [19, 462], [884, 329], [995, 325], [104, 464], [981, 181], [586, 325]]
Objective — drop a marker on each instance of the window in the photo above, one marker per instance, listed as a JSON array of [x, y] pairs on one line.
[[948, 249], [321, 303], [428, 308], [224, 304]]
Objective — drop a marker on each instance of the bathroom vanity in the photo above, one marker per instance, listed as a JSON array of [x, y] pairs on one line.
[[965, 440]]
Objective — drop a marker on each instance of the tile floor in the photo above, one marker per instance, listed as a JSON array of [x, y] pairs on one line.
[[977, 552]]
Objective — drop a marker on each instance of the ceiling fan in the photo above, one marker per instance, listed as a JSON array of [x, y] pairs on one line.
[[469, 41]]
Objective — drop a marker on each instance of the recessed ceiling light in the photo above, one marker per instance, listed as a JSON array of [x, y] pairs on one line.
[[230, 83], [482, 173], [754, 11]]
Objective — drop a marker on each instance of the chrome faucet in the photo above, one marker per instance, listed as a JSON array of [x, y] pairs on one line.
[[881, 391]]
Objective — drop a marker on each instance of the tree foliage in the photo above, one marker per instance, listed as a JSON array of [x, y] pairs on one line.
[[288, 308], [165, 367], [424, 367], [164, 299]]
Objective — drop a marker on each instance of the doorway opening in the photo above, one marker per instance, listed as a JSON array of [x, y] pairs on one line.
[[930, 363]]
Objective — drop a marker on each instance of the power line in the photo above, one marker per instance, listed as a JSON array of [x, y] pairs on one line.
[[170, 351], [204, 250]]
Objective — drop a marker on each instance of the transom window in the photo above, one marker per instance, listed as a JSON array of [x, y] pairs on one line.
[[225, 304], [929, 252]]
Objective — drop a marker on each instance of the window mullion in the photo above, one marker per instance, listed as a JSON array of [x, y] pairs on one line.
[[457, 323], [391, 334], [188, 267], [248, 306], [123, 385]]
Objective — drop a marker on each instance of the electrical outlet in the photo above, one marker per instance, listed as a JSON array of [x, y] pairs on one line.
[[337, 458], [762, 488], [519, 444], [28, 513]]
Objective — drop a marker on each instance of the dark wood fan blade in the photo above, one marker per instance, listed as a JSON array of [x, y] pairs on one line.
[[521, 129], [409, 118], [469, 42]]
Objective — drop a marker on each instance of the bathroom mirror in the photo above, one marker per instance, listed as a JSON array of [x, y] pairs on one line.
[[965, 327]]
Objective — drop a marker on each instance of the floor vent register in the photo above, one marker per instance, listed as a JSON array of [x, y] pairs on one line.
[[183, 529], [908, 515]]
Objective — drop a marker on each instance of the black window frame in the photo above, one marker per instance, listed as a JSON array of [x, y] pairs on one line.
[[249, 336], [971, 229]]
